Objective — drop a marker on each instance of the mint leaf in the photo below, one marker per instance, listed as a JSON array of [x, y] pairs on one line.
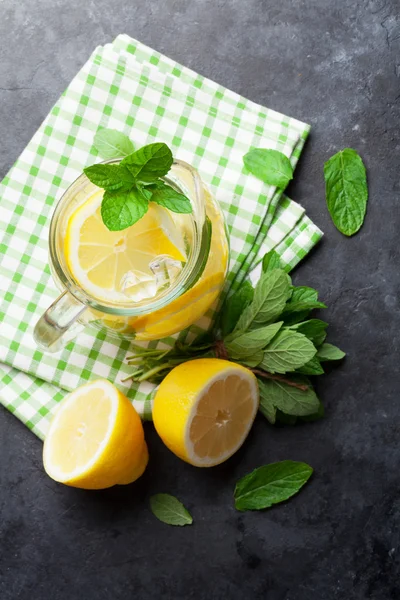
[[234, 307], [271, 484], [166, 196], [319, 414], [330, 352], [346, 190], [266, 407], [271, 166], [288, 399], [284, 419], [319, 340], [271, 261], [242, 345], [109, 177], [169, 510], [314, 329], [121, 209], [150, 162], [303, 298], [287, 351], [253, 360], [303, 293], [111, 143], [138, 173], [293, 318], [145, 192], [270, 296], [313, 367]]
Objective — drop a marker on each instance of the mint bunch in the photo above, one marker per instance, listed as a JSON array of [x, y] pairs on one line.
[[295, 351], [269, 330], [136, 181]]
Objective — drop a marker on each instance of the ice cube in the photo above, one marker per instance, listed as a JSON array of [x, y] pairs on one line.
[[166, 270], [138, 286]]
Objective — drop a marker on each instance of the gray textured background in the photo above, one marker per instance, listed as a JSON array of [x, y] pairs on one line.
[[335, 65]]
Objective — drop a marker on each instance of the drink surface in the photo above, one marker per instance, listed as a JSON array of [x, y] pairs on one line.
[[141, 263]]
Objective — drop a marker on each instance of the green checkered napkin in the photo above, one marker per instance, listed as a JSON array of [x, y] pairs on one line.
[[130, 87]]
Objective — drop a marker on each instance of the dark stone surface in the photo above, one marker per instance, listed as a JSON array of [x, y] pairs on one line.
[[335, 65]]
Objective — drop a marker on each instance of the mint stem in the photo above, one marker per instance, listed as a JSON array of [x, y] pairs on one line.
[[266, 375], [220, 350], [132, 375], [152, 372]]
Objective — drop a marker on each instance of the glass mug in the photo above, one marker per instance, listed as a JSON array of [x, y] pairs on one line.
[[190, 292]]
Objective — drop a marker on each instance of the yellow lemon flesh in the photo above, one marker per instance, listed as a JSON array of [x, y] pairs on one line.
[[204, 409], [96, 439], [115, 265]]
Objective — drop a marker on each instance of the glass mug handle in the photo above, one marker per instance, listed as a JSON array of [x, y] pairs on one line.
[[59, 325]]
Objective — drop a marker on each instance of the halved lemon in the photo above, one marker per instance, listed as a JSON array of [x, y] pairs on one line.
[[114, 265], [96, 439], [204, 409]]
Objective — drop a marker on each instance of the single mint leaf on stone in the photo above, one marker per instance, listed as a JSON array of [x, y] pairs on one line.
[[120, 210], [346, 190], [234, 307], [242, 345], [271, 484], [313, 367], [169, 198], [270, 296], [287, 352], [169, 510], [271, 166], [303, 298], [271, 261], [150, 162], [288, 399], [330, 352], [111, 143], [109, 177]]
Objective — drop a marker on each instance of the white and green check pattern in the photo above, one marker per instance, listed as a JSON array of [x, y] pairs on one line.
[[129, 87]]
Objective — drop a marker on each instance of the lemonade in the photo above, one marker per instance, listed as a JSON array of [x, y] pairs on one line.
[[150, 280], [133, 264]]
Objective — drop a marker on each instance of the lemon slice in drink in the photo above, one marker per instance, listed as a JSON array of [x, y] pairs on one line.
[[114, 265], [194, 303], [204, 409], [96, 439]]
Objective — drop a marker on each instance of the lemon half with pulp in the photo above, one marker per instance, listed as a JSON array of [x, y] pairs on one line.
[[204, 409], [96, 439]]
